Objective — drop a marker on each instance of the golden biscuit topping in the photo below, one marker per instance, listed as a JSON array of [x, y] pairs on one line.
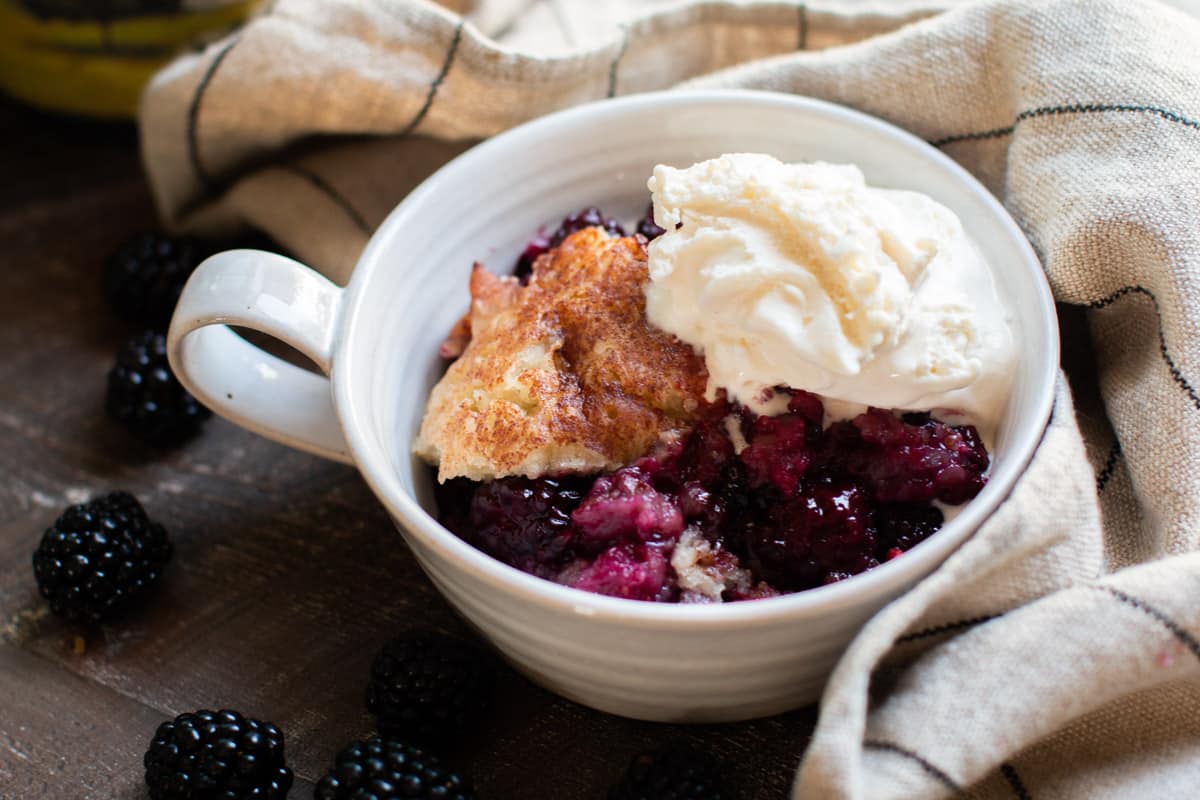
[[562, 375]]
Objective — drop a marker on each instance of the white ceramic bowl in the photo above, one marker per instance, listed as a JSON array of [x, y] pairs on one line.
[[377, 341]]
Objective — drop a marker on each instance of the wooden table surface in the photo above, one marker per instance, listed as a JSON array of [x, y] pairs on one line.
[[287, 575]]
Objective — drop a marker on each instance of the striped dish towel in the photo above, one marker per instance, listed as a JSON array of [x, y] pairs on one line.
[[1057, 653]]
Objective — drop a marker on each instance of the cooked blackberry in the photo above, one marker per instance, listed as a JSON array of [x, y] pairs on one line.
[[145, 275], [909, 459], [647, 227], [634, 571], [674, 773], [625, 504], [524, 267], [587, 218], [822, 534], [428, 687], [387, 769], [98, 557], [526, 522], [902, 527], [539, 244], [146, 397], [217, 755]]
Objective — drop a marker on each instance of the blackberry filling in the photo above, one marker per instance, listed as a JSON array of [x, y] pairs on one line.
[[524, 523], [762, 504], [587, 218], [799, 506]]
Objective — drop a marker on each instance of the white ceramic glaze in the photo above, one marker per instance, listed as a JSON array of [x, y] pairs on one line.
[[377, 341]]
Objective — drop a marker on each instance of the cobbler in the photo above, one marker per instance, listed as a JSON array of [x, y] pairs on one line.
[[574, 441]]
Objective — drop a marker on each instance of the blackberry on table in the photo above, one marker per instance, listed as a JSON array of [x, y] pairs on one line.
[[428, 687], [675, 773], [388, 769], [146, 397], [98, 557], [217, 755], [144, 277]]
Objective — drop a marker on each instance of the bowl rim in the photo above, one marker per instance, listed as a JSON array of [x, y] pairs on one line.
[[882, 581]]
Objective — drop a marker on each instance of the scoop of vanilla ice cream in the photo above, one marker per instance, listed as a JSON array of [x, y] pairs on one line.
[[802, 275]]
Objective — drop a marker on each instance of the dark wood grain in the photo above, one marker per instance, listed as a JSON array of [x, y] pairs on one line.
[[287, 574]]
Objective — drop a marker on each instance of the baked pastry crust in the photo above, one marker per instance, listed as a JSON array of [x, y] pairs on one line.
[[562, 375]]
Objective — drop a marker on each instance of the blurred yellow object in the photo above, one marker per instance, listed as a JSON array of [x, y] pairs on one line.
[[93, 57]]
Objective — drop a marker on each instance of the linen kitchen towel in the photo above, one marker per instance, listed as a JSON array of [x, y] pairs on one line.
[[1057, 653]]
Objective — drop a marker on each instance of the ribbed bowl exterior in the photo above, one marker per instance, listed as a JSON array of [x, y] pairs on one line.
[[654, 672], [642, 660]]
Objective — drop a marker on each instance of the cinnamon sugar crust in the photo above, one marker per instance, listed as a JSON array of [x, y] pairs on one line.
[[562, 375]]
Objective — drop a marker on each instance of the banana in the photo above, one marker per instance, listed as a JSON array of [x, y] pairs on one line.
[[89, 65]]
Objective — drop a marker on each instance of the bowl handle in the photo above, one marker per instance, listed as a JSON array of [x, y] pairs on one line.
[[262, 393]]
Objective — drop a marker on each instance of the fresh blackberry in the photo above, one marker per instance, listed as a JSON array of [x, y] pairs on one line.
[[428, 687], [590, 217], [145, 275], [675, 773], [383, 769], [99, 556], [146, 397], [217, 755]]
